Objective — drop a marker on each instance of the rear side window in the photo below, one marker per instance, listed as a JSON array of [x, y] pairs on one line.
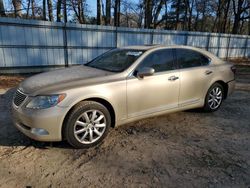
[[161, 60], [189, 58]]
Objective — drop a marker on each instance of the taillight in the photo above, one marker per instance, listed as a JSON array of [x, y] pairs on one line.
[[233, 69]]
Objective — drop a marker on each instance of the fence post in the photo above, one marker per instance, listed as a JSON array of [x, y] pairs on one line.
[[245, 52], [65, 46], [228, 44], [208, 41], [186, 38], [152, 37], [116, 37]]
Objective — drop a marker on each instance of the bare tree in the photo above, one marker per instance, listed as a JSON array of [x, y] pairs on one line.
[[58, 10], [2, 10], [148, 13], [50, 9], [78, 8], [28, 9], [65, 16], [17, 8], [108, 12], [33, 8], [44, 10], [190, 11], [240, 7], [157, 10], [117, 12], [134, 12], [99, 12], [177, 13]]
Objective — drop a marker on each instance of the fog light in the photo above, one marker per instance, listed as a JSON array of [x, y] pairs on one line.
[[39, 131]]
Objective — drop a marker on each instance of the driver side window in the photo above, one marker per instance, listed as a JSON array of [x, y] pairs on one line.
[[160, 60]]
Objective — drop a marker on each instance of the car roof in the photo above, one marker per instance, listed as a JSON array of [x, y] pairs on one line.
[[141, 47], [160, 46], [157, 46]]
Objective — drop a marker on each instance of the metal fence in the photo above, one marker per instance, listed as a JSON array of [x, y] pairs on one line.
[[33, 43]]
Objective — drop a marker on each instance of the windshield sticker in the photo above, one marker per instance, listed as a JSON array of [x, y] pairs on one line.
[[131, 53]]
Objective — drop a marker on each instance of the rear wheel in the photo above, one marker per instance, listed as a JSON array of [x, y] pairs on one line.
[[87, 124], [214, 98]]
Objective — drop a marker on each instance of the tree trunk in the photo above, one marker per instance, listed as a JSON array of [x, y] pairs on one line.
[[177, 12], [2, 10], [58, 10], [117, 13], [196, 21], [218, 14], [249, 27], [157, 13], [28, 9], [190, 15], [44, 10], [184, 25], [108, 12], [236, 24], [33, 8], [50, 10], [225, 17], [203, 17], [17, 8], [166, 15], [99, 12], [237, 14], [148, 13], [241, 29], [80, 11], [65, 11]]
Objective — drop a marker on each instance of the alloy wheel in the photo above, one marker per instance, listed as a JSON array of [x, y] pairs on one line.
[[90, 126], [215, 98]]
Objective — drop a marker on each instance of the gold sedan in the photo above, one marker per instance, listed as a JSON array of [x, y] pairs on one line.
[[81, 103]]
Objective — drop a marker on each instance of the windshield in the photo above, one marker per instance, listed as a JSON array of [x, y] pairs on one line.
[[116, 60]]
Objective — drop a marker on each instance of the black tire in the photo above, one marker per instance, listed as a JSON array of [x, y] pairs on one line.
[[207, 107], [73, 116]]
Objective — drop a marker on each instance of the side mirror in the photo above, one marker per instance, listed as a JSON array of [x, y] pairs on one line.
[[145, 71]]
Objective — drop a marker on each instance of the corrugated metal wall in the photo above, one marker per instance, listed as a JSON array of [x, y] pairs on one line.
[[28, 43]]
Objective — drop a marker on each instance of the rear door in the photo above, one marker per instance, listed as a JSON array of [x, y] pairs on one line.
[[195, 76]]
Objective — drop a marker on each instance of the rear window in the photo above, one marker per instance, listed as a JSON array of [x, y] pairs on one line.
[[189, 58]]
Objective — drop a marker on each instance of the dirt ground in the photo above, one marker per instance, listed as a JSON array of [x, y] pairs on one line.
[[185, 149]]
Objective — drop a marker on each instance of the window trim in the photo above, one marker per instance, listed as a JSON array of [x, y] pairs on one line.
[[178, 64]]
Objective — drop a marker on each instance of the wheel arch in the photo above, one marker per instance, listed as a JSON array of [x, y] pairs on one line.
[[102, 101], [224, 85]]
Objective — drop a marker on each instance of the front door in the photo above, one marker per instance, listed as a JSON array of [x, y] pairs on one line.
[[157, 92]]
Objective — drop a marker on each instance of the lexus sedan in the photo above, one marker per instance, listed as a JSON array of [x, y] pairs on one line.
[[80, 104]]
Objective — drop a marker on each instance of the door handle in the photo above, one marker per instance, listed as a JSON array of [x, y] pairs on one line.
[[173, 78], [207, 72]]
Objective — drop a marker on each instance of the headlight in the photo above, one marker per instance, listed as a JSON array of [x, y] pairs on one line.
[[41, 102]]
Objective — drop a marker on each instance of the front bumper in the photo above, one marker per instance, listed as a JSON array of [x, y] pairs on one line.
[[42, 124]]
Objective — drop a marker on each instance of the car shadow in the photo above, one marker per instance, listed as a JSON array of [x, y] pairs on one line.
[[10, 135]]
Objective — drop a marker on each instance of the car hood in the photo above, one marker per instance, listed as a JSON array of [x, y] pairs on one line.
[[59, 78]]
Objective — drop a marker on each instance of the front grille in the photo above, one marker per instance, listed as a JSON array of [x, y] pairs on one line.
[[19, 98]]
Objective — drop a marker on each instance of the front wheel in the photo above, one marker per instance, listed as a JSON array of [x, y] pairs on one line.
[[87, 124], [214, 98]]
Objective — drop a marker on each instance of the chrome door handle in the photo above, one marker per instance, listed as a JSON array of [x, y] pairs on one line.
[[207, 72], [173, 78]]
